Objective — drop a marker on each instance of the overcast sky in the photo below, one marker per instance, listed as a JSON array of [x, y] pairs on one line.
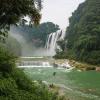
[[59, 11]]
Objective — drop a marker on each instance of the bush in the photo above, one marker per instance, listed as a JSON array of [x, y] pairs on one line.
[[7, 61]]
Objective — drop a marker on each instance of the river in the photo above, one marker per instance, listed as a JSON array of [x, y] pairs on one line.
[[77, 85]]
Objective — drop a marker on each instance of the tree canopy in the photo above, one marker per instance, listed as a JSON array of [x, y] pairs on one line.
[[11, 11]]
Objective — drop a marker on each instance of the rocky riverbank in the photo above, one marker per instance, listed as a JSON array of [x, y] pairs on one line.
[[84, 66], [62, 63], [65, 63]]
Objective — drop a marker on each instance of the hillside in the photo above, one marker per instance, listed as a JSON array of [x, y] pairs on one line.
[[83, 34]]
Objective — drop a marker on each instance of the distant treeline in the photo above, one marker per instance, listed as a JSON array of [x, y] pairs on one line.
[[37, 34]]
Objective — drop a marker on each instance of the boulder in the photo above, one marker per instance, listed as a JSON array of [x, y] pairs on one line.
[[98, 69]]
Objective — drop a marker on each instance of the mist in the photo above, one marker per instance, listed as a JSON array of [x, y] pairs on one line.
[[28, 49]]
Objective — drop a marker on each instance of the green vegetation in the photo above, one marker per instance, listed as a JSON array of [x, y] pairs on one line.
[[37, 35], [11, 12], [14, 85], [83, 34]]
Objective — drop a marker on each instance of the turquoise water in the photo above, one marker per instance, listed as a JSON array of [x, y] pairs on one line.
[[77, 85]]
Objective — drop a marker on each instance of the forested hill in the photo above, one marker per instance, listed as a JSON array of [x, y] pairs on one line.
[[83, 33], [36, 34]]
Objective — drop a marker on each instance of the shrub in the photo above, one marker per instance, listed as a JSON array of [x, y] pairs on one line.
[[7, 61]]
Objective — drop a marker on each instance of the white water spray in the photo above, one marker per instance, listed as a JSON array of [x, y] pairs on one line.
[[51, 44]]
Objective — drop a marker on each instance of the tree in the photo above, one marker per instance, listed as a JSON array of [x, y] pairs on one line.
[[11, 12]]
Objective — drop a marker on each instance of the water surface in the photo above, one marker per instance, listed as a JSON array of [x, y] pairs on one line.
[[78, 85]]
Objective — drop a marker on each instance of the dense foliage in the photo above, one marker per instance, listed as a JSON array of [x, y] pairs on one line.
[[83, 33], [36, 35], [12, 11]]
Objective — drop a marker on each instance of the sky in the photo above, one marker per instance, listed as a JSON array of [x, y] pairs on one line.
[[59, 11]]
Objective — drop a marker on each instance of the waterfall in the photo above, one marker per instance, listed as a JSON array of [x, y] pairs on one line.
[[51, 44], [31, 64]]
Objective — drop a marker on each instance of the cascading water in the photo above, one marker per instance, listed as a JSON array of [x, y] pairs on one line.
[[29, 64], [51, 44]]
